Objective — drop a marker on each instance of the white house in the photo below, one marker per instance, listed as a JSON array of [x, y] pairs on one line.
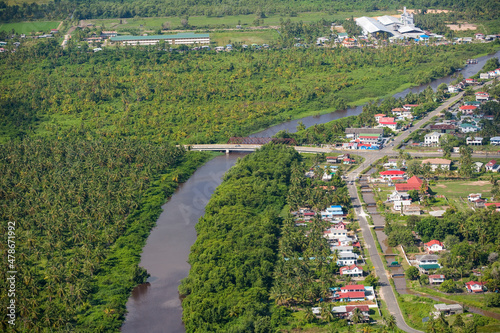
[[353, 270], [453, 89], [437, 278], [436, 163], [495, 141], [484, 76], [476, 141], [475, 287], [482, 96], [332, 212], [474, 197], [432, 139], [397, 196], [490, 165], [347, 258], [400, 204], [426, 259], [434, 246]]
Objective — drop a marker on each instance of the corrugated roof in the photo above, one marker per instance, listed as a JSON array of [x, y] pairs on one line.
[[177, 36], [371, 25], [387, 20], [407, 29]]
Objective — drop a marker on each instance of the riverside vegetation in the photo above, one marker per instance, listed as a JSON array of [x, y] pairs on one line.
[[87, 155]]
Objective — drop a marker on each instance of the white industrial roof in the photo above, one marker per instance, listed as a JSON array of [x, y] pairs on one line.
[[371, 25], [387, 20], [406, 29]]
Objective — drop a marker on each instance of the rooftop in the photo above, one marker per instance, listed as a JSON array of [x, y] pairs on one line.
[[153, 37]]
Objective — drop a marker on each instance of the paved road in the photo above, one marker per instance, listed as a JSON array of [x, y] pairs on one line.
[[386, 291]]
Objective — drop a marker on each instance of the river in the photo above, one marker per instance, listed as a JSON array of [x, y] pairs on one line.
[[155, 306]]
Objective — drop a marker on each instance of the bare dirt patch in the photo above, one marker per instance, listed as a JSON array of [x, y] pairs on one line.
[[462, 26], [441, 185], [478, 183]]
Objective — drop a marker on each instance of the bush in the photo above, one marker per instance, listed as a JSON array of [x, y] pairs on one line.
[[412, 273]]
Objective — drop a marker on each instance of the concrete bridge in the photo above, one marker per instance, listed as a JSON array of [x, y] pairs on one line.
[[228, 147]]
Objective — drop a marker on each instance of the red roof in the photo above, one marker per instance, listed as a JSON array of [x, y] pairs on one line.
[[379, 115], [432, 242], [350, 268], [491, 163], [468, 107], [437, 276], [357, 244], [397, 178], [482, 93], [496, 204], [362, 308], [353, 287], [387, 123], [352, 294], [392, 173], [411, 105], [368, 136], [414, 183]]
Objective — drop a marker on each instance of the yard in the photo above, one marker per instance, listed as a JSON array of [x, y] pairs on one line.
[[461, 188], [28, 27]]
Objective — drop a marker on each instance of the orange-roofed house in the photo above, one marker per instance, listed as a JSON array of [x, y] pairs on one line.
[[378, 116]]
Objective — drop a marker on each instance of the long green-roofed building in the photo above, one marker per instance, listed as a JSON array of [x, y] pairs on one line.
[[180, 38]]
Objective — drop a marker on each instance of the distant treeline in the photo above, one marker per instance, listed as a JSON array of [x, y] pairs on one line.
[[152, 8]]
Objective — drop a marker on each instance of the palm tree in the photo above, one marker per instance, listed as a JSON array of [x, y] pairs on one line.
[[357, 316], [390, 321]]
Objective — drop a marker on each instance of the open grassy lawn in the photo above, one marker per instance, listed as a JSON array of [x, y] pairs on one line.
[[154, 23], [461, 188], [28, 27], [415, 308], [245, 37]]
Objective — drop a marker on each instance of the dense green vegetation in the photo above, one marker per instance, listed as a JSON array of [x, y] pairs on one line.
[[198, 97], [233, 258], [83, 209]]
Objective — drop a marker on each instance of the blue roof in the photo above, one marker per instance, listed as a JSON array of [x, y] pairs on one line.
[[424, 36], [336, 206]]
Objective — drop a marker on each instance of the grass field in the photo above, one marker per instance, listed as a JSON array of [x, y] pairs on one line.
[[461, 188], [154, 23], [245, 37], [28, 27]]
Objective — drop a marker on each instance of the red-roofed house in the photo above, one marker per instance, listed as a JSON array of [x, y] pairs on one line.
[[353, 287], [414, 183], [438, 278], [494, 204], [409, 106], [392, 173], [482, 96], [351, 296], [468, 109], [434, 246], [352, 270], [489, 166], [475, 287]]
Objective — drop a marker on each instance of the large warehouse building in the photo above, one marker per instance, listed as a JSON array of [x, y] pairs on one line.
[[399, 28], [180, 38]]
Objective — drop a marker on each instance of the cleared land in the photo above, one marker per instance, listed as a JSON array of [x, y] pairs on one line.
[[457, 189], [28, 27], [462, 26], [246, 37]]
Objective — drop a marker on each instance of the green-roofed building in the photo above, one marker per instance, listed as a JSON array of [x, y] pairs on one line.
[[180, 38]]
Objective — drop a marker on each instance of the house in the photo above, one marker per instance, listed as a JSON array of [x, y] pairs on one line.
[[332, 234], [453, 89], [470, 81], [393, 163], [332, 212], [411, 210], [432, 139], [475, 287], [467, 109], [484, 76], [54, 31], [476, 141], [474, 197], [97, 49], [443, 128], [353, 270], [401, 112], [479, 36], [370, 138], [427, 262], [480, 203], [449, 309], [475, 103], [489, 166], [433, 246], [395, 196], [388, 122], [482, 96], [378, 116], [436, 279], [331, 159], [356, 132], [350, 296], [347, 258], [387, 175], [401, 204], [436, 163], [107, 34], [408, 107], [495, 141], [478, 166], [493, 204], [349, 42], [346, 311]]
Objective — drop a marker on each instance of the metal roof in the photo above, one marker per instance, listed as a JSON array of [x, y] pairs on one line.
[[388, 20], [407, 28], [177, 36], [371, 25]]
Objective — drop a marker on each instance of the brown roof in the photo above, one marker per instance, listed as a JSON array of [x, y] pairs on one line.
[[442, 127]]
